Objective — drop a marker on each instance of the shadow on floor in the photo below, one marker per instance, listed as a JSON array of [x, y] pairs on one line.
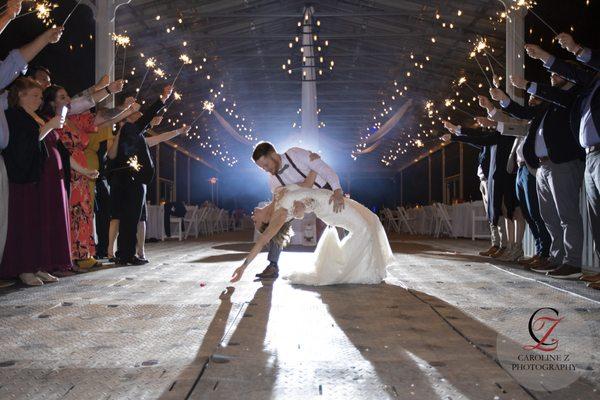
[[250, 321]]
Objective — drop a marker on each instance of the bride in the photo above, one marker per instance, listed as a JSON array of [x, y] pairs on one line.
[[361, 257]]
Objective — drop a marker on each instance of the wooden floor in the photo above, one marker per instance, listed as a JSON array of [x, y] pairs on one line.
[[166, 330]]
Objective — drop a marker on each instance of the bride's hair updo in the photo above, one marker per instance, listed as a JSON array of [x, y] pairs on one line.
[[283, 237]]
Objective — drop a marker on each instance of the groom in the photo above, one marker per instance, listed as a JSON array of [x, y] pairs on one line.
[[289, 168]]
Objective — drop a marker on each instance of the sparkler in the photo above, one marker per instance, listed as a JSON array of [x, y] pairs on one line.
[[150, 63], [463, 81], [206, 106], [71, 13], [159, 73], [124, 42], [480, 46], [132, 163], [184, 61], [42, 10], [450, 103], [528, 5]]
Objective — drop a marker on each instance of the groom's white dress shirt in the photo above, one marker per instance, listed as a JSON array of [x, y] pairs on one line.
[[301, 159]]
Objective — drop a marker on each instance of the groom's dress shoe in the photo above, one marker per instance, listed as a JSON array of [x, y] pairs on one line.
[[271, 272]]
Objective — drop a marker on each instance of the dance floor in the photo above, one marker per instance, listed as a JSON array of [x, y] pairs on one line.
[[166, 331]]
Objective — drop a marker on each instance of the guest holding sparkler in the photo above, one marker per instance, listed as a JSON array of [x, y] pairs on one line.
[[502, 198], [75, 137], [558, 158], [130, 168], [583, 107], [10, 68], [31, 167], [586, 55]]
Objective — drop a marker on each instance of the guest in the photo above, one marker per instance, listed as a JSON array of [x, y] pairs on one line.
[[95, 154], [152, 140], [584, 106], [75, 137], [526, 188], [127, 183], [557, 157], [25, 159], [502, 198], [14, 64]]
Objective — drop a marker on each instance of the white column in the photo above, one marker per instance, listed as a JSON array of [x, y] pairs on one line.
[[310, 128], [515, 52], [104, 13]]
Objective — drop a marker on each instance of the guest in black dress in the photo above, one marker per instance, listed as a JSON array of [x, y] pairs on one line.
[[127, 185]]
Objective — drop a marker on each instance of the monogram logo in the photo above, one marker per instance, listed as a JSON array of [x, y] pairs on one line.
[[542, 324]]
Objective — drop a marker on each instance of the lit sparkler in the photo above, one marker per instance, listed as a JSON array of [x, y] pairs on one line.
[[134, 163], [71, 13], [185, 60], [150, 63], [42, 10]]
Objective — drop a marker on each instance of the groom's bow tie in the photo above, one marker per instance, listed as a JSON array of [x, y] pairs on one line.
[[286, 166]]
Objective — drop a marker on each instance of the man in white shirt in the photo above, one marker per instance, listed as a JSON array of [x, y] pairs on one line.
[[289, 168]]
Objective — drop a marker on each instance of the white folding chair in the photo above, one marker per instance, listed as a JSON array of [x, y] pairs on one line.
[[176, 230], [392, 220], [444, 221], [190, 222], [405, 219], [479, 218], [201, 216]]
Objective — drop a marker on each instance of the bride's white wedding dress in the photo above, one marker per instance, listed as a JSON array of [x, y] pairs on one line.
[[361, 257]]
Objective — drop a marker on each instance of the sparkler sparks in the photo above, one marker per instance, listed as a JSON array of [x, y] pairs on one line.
[[159, 72], [185, 59], [518, 4], [121, 40], [42, 11], [150, 63], [208, 106], [134, 163]]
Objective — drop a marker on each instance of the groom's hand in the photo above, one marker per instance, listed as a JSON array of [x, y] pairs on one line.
[[337, 198]]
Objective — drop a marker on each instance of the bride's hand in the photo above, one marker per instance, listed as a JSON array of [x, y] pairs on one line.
[[237, 274]]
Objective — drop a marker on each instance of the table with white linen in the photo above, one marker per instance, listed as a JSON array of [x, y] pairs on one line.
[[155, 222], [305, 230], [422, 219]]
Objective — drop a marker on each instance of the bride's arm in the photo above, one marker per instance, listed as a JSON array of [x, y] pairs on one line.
[[310, 180], [275, 224]]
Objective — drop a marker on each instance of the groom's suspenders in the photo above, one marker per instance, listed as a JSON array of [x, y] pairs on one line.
[[297, 170]]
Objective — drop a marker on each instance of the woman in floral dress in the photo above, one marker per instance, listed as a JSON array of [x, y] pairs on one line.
[[74, 136]]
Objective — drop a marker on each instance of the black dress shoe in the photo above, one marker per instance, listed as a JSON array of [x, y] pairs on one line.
[[271, 272], [130, 261], [142, 259]]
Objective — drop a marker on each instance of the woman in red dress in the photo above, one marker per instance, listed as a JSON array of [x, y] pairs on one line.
[[74, 136]]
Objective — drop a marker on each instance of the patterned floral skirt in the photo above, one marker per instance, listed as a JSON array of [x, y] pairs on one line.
[[82, 218]]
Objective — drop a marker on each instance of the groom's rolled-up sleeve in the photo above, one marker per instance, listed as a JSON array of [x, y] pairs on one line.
[[319, 166]]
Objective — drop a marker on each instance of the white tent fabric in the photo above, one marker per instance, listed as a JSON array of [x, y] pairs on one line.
[[230, 129], [310, 123], [390, 124]]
